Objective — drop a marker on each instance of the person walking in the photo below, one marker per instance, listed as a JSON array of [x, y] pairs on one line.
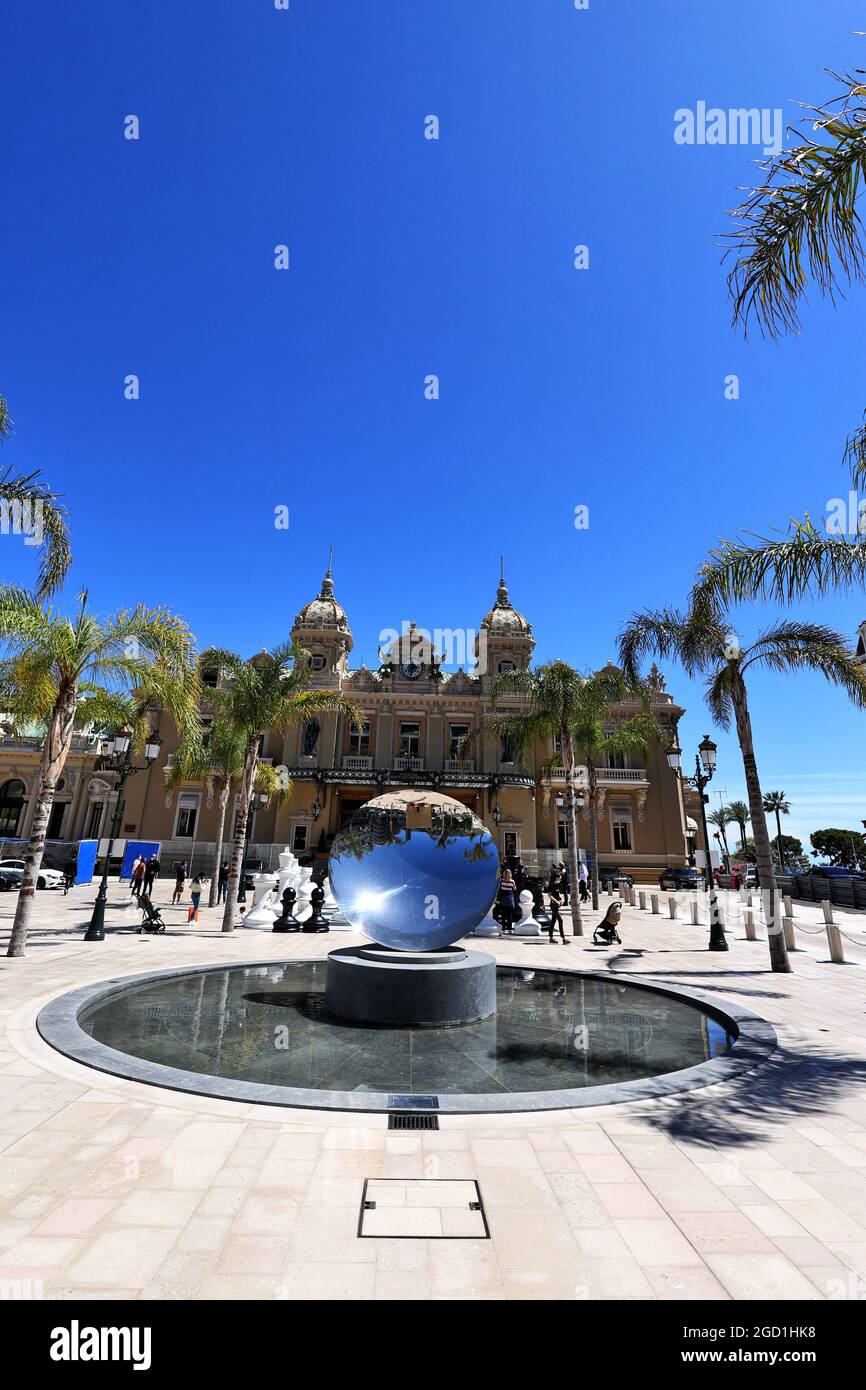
[[135, 863], [179, 881], [68, 878], [565, 883], [223, 882], [507, 891], [583, 884], [196, 888], [138, 876], [554, 898], [151, 873]]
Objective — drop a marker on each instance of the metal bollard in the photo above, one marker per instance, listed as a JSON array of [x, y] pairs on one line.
[[827, 909], [641, 897], [788, 928], [789, 909], [834, 940], [654, 899], [751, 934], [694, 911], [672, 907]]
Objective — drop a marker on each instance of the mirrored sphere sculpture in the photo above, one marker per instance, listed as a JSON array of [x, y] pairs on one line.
[[414, 870]]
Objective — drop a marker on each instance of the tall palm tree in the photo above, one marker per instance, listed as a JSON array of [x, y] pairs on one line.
[[270, 692], [573, 711], [703, 642], [58, 671], [776, 802], [739, 813], [721, 819], [27, 495], [217, 759]]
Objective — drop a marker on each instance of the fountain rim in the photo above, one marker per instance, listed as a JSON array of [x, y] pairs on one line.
[[57, 1025]]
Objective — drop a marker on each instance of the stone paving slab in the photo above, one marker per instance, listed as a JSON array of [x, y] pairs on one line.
[[753, 1188]]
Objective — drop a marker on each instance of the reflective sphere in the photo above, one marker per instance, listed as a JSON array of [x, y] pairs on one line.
[[414, 870]]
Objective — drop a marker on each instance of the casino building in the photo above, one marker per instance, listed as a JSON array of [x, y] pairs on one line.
[[424, 726]]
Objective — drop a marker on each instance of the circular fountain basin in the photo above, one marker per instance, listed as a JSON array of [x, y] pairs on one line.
[[262, 1033]]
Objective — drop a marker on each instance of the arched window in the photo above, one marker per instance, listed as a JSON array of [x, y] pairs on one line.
[[12, 806]]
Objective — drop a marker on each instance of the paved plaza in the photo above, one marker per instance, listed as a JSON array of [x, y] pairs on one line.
[[751, 1189]]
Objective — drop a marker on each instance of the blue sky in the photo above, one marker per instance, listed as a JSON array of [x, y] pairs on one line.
[[409, 257]]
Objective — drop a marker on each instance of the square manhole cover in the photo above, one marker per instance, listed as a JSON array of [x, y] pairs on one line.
[[423, 1209]]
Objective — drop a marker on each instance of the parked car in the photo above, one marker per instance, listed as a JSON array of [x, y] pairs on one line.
[[834, 871], [680, 877], [10, 880], [48, 878], [613, 879]]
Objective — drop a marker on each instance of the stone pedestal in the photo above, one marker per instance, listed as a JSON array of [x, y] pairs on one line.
[[410, 989]]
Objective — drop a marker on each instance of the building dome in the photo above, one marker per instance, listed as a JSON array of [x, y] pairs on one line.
[[503, 620], [324, 612]]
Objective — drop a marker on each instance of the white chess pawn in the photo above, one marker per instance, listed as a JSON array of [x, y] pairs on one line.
[[527, 926], [261, 915], [488, 926]]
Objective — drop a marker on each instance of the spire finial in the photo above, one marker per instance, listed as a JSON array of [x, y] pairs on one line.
[[327, 582], [502, 591]]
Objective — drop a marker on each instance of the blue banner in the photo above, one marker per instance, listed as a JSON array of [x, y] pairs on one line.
[[133, 849], [86, 861]]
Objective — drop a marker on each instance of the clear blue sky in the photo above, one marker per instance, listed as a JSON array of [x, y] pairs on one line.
[[408, 256]]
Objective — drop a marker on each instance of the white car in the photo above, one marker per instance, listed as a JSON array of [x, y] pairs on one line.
[[48, 878]]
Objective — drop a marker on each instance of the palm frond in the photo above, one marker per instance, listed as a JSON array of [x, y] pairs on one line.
[[47, 522], [802, 563], [801, 222], [854, 457]]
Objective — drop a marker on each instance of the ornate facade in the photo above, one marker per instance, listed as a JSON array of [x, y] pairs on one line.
[[423, 726]]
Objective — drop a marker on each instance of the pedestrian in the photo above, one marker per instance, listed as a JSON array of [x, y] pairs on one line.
[[138, 870], [223, 882], [196, 888], [135, 863], [565, 883], [583, 877], [68, 878], [554, 898], [151, 873], [179, 880], [507, 890]]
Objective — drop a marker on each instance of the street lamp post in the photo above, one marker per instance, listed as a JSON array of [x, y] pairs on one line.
[[705, 766], [117, 760], [574, 888]]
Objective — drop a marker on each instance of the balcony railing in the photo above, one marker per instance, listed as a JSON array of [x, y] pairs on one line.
[[357, 762], [459, 765], [408, 764], [606, 774]]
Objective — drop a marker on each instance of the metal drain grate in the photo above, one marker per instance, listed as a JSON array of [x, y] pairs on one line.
[[413, 1121]]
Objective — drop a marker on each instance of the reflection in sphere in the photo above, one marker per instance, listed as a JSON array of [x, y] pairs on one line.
[[414, 870]]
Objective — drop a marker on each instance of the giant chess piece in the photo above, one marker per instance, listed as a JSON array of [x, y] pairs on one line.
[[316, 921], [286, 920], [527, 925], [261, 915], [332, 912], [488, 926]]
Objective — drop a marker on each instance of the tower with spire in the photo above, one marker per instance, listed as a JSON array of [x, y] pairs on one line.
[[505, 639], [323, 628]]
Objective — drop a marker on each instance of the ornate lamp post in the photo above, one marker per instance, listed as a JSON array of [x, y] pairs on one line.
[[117, 760], [258, 801], [574, 888], [705, 766]]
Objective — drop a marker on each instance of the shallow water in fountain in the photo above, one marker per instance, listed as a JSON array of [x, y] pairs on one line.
[[268, 1024]]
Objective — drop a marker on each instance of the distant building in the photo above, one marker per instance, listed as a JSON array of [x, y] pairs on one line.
[[423, 726]]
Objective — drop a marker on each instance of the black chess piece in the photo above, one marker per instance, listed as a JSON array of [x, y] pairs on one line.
[[316, 922], [286, 921]]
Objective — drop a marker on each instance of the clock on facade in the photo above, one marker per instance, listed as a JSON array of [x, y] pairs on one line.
[[411, 669]]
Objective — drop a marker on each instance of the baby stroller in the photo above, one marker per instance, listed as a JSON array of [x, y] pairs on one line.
[[152, 919], [606, 933]]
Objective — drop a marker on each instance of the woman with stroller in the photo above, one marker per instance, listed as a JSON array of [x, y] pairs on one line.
[[554, 898]]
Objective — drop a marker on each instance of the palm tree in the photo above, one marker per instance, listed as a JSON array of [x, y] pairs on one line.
[[775, 801], [703, 642], [738, 812], [25, 495], [268, 692], [58, 671], [721, 819], [572, 711], [217, 759]]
